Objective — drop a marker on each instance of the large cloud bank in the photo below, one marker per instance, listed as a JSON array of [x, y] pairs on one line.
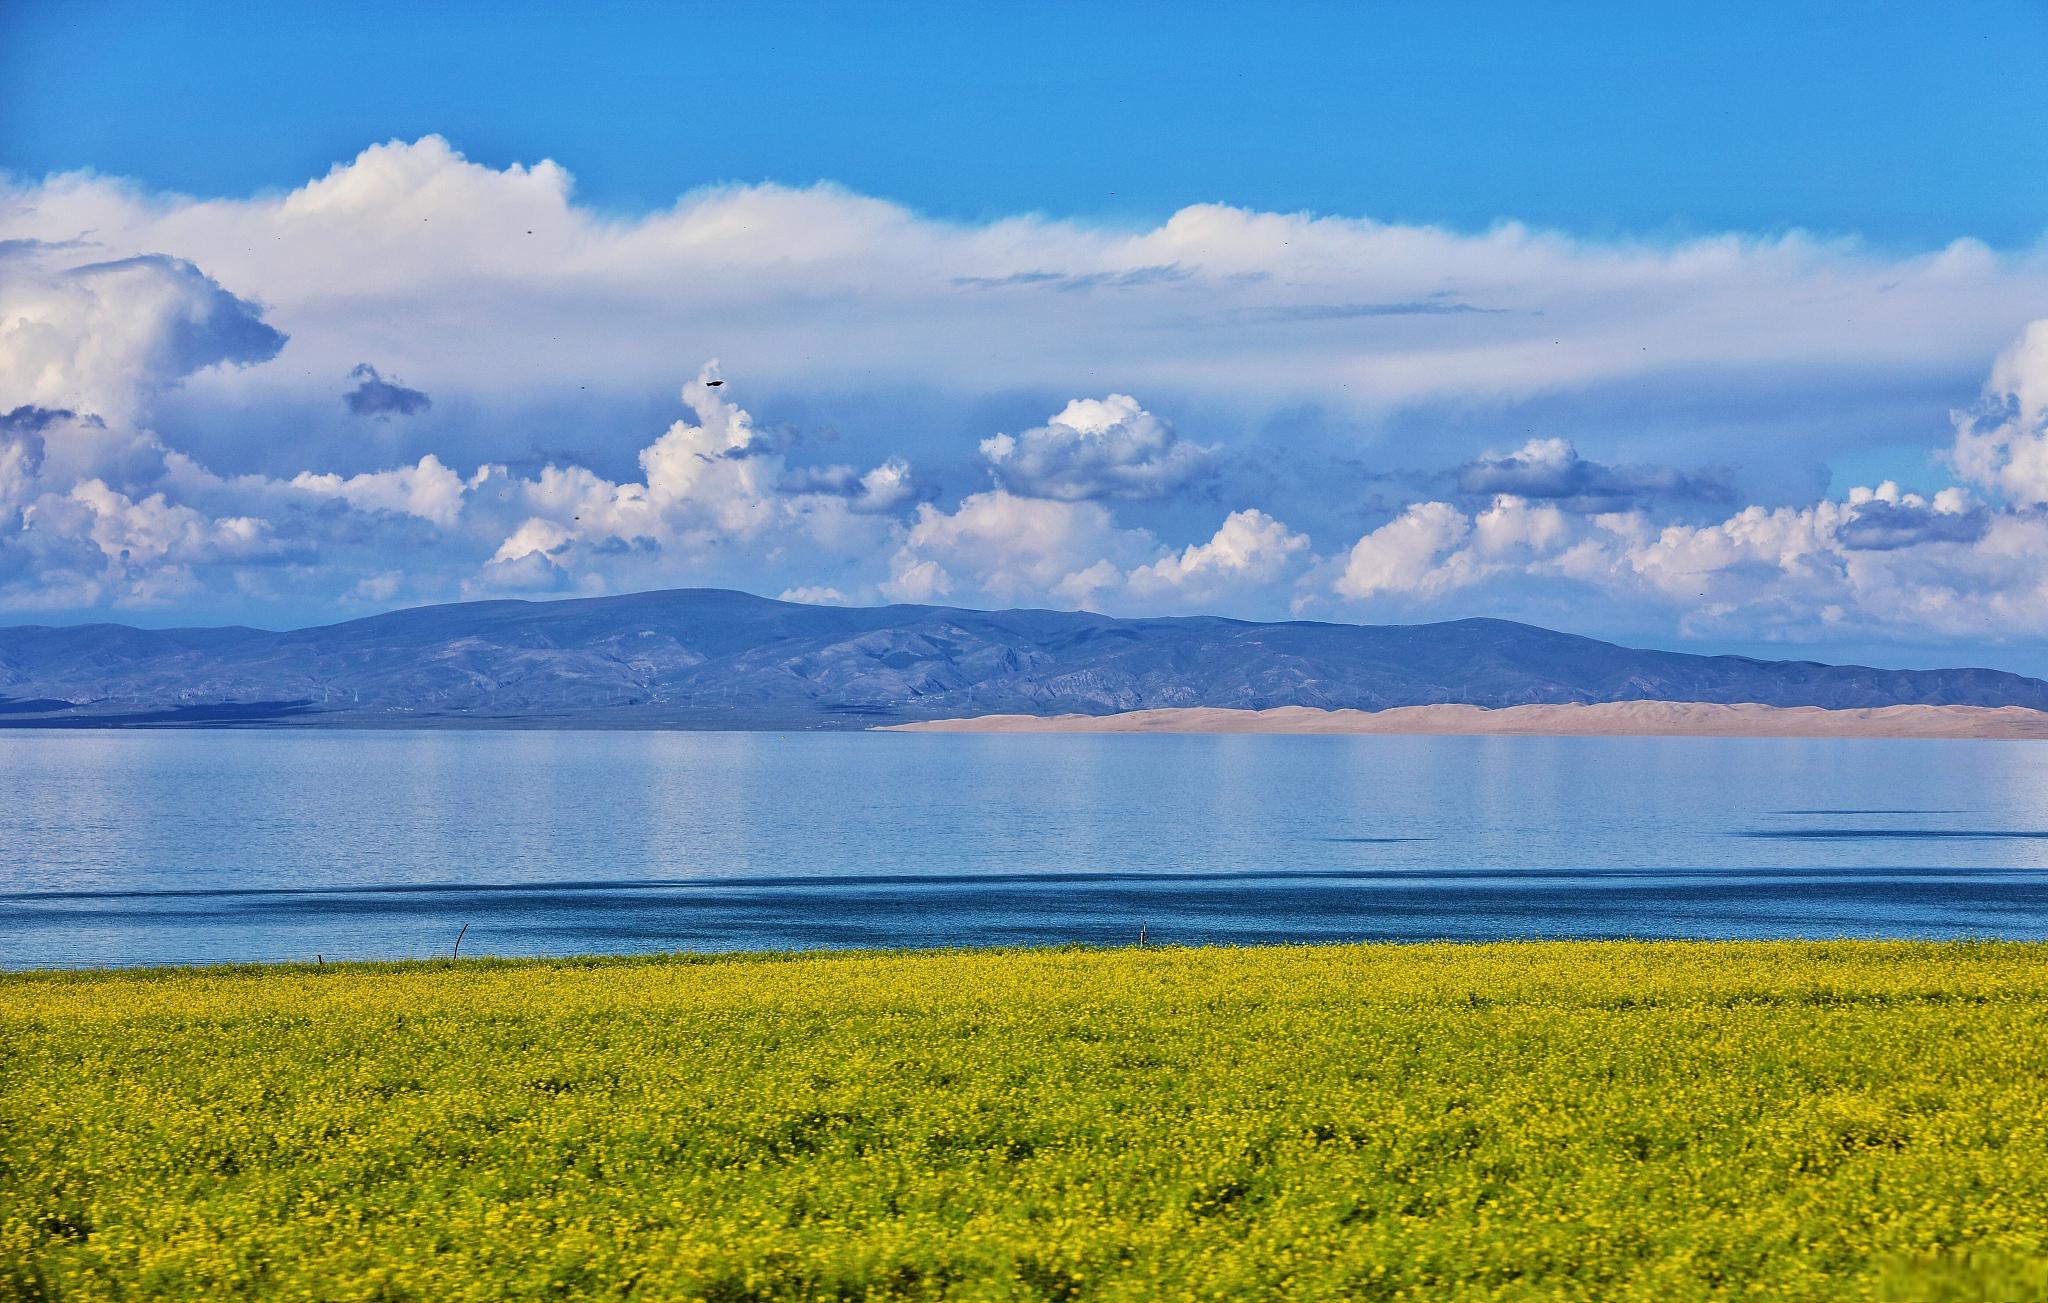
[[123, 313]]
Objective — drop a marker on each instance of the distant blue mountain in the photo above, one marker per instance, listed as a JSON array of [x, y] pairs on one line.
[[706, 658]]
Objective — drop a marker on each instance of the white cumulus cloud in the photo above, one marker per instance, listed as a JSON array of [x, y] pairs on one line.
[[1097, 448], [2003, 443], [96, 334], [1250, 548], [428, 490], [1413, 553]]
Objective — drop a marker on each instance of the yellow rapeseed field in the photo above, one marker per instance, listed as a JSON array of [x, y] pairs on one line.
[[1598, 1121]]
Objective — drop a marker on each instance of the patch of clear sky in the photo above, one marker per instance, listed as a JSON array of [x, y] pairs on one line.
[[1909, 124]]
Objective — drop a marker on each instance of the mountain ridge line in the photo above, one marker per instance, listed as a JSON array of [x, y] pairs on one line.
[[720, 659]]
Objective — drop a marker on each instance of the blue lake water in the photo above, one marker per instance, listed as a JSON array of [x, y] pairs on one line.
[[176, 847]]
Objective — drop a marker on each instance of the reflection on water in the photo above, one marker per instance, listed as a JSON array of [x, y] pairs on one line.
[[173, 847]]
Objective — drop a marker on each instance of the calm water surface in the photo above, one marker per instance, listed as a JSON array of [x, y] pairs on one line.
[[148, 848]]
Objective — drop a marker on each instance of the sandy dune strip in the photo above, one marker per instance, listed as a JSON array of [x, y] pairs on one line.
[[1617, 719]]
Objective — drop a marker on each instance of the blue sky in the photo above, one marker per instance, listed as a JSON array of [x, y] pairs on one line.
[[1706, 326], [1906, 123]]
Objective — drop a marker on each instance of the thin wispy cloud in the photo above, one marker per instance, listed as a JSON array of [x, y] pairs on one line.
[[1070, 282], [1312, 312]]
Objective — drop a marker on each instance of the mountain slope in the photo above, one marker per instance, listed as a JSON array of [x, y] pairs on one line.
[[710, 658]]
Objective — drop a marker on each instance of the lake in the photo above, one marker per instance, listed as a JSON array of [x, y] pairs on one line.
[[122, 848]]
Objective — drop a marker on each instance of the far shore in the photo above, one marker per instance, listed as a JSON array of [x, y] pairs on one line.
[[1604, 719]]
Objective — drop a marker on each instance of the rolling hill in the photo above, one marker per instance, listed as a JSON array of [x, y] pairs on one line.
[[707, 658]]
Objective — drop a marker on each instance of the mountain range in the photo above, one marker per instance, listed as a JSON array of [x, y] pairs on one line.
[[709, 658]]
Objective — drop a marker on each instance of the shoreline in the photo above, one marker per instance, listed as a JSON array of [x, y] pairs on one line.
[[583, 962], [1602, 719]]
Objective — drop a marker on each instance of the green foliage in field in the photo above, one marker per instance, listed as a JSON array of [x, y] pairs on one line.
[[1510, 1121]]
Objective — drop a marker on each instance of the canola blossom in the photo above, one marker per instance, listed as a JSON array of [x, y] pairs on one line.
[[1512, 1121]]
